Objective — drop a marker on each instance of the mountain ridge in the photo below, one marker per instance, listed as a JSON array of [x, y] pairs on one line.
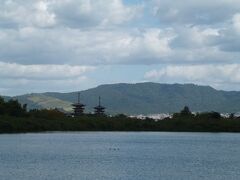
[[141, 98]]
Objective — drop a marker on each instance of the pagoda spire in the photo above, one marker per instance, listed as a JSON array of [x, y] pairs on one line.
[[99, 110], [99, 101], [79, 94]]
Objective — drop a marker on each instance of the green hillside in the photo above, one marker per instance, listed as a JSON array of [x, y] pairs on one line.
[[41, 101], [142, 98]]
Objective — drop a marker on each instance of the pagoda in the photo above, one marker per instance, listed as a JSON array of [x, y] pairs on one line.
[[99, 110], [78, 107]]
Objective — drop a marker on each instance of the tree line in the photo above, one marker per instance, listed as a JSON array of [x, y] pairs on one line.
[[14, 118], [13, 108]]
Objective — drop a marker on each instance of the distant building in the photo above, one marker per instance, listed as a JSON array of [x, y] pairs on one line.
[[100, 110], [78, 108]]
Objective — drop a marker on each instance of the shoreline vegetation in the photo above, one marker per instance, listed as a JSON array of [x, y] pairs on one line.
[[14, 118]]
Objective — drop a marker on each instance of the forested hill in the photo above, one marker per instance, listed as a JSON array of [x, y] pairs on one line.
[[142, 98]]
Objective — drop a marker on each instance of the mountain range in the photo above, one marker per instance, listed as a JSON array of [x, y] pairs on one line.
[[140, 98]]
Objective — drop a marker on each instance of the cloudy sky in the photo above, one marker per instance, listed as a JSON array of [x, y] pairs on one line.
[[69, 45]]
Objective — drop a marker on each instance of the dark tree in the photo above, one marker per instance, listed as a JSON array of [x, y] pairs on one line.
[[14, 108], [186, 111], [215, 115], [232, 116], [2, 106]]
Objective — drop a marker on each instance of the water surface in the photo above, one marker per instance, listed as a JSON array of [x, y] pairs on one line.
[[120, 155]]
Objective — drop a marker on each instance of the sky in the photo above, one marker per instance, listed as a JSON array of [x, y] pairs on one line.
[[71, 45]]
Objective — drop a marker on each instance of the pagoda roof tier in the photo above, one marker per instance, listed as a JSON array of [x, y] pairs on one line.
[[78, 105], [99, 107]]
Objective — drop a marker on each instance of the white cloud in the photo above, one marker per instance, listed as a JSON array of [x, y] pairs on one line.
[[43, 17], [26, 13], [70, 13], [76, 35], [19, 79], [30, 45], [195, 12], [42, 72], [236, 22], [88, 13], [229, 37], [194, 37], [88, 32]]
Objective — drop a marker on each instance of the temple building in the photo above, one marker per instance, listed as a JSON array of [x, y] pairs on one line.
[[78, 108], [100, 110]]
